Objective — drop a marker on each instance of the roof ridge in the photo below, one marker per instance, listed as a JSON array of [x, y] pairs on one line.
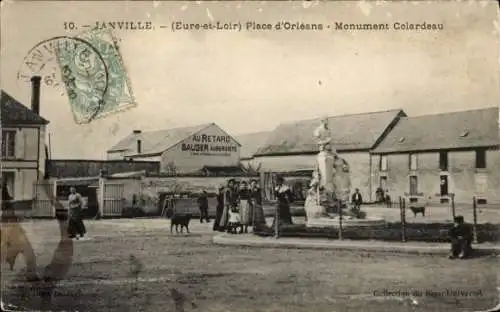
[[454, 112], [343, 115], [178, 128]]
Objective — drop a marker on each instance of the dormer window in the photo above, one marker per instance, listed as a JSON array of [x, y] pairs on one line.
[[401, 139], [464, 134]]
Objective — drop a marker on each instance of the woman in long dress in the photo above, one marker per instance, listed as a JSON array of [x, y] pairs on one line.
[[229, 203], [284, 198], [259, 220], [219, 210], [246, 212]]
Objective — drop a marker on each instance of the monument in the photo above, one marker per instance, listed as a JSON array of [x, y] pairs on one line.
[[330, 187]]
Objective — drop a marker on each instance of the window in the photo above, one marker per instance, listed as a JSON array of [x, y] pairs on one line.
[[383, 183], [413, 185], [413, 162], [480, 159], [443, 161], [9, 178], [8, 143], [383, 163]]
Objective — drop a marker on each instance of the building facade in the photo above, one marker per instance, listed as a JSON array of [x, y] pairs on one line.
[[435, 156], [250, 144], [292, 148], [181, 150], [23, 144]]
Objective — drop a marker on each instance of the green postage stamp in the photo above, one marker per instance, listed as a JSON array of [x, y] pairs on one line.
[[94, 75]]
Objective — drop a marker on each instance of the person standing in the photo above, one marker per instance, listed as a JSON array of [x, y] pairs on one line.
[[76, 226], [387, 198], [203, 205], [259, 220], [245, 206], [357, 200], [284, 199], [229, 203], [219, 209]]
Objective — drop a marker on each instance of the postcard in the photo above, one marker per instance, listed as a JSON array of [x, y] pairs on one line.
[[250, 155]]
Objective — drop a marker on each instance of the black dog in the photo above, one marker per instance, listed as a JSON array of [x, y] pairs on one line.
[[182, 220], [416, 210]]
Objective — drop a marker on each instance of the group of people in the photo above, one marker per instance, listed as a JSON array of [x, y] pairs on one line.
[[239, 206]]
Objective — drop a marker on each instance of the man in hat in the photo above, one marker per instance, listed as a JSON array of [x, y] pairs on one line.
[[461, 239], [203, 205], [357, 200]]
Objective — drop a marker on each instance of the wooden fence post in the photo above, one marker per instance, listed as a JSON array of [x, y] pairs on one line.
[[403, 218], [474, 211], [341, 237], [277, 223]]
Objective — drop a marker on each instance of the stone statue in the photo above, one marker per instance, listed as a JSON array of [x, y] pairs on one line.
[[331, 181], [323, 135]]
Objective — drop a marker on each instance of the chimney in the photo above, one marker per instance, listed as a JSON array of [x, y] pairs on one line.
[[138, 146], [136, 131], [35, 94]]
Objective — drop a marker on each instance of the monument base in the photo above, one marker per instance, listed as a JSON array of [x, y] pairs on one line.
[[333, 222]]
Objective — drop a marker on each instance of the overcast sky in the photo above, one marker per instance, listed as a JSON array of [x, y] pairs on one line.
[[252, 81]]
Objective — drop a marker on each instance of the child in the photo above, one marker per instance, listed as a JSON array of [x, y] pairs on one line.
[[234, 220]]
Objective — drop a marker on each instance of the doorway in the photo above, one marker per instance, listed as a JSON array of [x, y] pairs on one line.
[[444, 185]]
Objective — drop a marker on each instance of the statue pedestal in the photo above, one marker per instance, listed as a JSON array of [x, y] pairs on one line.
[[326, 171]]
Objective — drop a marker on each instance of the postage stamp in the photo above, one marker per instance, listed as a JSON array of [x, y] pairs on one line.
[[90, 97], [88, 68]]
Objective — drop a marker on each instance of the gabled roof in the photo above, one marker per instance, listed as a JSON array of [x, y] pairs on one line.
[[251, 142], [462, 129], [14, 113], [156, 142], [349, 132]]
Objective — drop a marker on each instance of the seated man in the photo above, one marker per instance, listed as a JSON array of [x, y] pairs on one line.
[[461, 239]]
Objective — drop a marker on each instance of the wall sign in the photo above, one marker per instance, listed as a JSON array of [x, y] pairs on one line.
[[210, 145]]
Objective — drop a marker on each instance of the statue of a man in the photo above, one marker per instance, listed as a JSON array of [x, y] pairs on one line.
[[323, 136]]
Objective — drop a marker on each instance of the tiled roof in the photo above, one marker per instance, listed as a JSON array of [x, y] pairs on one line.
[[155, 142], [251, 142], [462, 129], [349, 132], [14, 113]]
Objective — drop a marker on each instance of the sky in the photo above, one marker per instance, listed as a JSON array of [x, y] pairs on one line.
[[252, 81]]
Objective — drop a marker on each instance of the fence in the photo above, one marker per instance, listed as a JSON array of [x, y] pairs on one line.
[[112, 199], [411, 221], [43, 205]]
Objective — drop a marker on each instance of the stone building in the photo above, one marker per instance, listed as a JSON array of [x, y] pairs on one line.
[[292, 149], [23, 143], [438, 155], [181, 150]]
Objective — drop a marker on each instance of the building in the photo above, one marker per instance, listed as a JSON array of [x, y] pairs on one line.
[[80, 168], [291, 147], [437, 155], [23, 143], [250, 144], [180, 150]]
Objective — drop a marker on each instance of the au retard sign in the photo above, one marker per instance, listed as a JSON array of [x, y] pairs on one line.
[[210, 145]]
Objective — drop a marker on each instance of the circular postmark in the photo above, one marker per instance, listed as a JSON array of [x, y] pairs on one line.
[[73, 66]]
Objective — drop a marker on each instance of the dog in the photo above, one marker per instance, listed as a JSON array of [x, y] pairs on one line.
[[418, 209], [182, 220]]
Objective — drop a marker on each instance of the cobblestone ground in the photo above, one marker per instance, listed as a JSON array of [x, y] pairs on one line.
[[217, 278]]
